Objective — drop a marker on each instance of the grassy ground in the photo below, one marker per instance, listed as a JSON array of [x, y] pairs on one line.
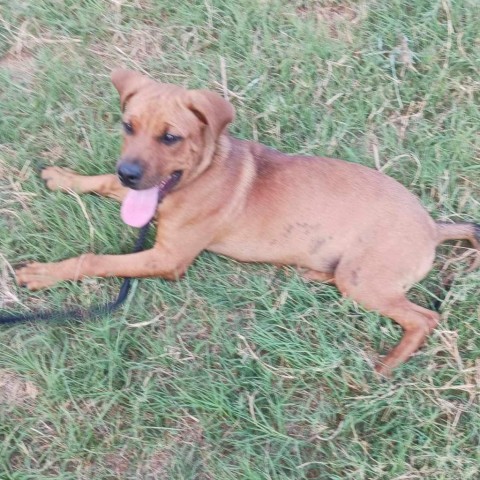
[[242, 371]]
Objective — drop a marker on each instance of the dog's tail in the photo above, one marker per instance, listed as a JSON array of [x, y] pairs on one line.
[[461, 231]]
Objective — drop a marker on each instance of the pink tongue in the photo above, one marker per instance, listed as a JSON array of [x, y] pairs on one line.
[[139, 206]]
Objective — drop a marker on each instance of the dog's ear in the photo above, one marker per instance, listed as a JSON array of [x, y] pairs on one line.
[[128, 83], [211, 109]]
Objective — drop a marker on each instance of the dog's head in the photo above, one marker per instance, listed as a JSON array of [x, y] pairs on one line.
[[167, 129]]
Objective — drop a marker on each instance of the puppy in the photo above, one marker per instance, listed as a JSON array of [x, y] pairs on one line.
[[337, 221]]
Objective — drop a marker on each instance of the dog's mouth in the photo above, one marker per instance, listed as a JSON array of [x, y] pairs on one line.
[[139, 206]]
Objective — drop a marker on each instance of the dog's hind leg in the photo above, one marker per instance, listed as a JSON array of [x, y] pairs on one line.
[[417, 323], [382, 288], [108, 185]]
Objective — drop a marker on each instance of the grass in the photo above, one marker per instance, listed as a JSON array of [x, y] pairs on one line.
[[243, 371]]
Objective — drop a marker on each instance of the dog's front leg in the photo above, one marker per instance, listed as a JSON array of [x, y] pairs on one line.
[[155, 262], [57, 178]]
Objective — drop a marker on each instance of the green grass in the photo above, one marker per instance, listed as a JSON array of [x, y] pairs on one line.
[[247, 372]]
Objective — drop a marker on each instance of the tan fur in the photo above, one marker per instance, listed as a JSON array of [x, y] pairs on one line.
[[337, 221]]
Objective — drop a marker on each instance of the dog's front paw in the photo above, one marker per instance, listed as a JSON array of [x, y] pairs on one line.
[[383, 371], [57, 178], [36, 276]]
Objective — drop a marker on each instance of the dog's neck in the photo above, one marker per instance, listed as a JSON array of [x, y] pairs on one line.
[[222, 148]]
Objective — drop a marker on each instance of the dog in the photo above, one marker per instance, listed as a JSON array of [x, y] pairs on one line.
[[338, 222]]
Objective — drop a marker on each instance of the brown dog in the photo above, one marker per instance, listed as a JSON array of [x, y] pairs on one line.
[[337, 221]]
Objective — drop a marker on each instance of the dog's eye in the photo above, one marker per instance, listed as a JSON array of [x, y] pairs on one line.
[[169, 139], [128, 128]]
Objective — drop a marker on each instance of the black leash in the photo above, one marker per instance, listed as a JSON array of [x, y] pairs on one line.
[[96, 310], [79, 313]]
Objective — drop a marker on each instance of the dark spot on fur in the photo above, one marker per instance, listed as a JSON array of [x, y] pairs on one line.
[[316, 245], [331, 265], [307, 228], [354, 277], [288, 230]]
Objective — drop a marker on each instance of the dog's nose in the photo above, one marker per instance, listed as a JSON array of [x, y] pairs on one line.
[[130, 174]]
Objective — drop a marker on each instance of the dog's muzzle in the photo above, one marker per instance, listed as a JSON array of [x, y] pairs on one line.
[[130, 174]]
